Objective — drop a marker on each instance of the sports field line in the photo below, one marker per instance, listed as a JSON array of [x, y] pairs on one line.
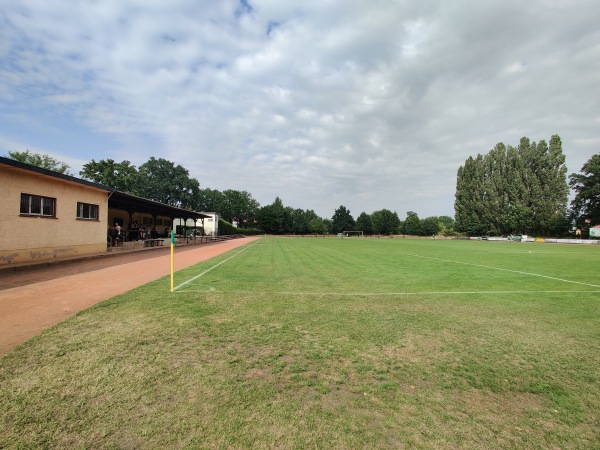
[[213, 267], [380, 294], [501, 269]]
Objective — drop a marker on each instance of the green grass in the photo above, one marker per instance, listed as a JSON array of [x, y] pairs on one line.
[[326, 343]]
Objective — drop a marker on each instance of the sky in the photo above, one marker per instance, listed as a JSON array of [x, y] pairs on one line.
[[366, 104]]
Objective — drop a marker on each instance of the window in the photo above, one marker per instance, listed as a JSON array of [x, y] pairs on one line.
[[147, 220], [87, 211], [158, 222], [35, 205]]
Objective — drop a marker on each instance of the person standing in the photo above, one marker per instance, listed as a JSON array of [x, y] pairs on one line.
[[116, 234], [134, 231]]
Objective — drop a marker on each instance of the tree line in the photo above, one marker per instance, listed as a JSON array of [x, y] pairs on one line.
[[509, 190], [524, 190]]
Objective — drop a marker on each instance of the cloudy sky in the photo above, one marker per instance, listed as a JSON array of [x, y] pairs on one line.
[[369, 104]]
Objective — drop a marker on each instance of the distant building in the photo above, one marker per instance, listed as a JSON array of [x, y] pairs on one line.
[[209, 224], [48, 216]]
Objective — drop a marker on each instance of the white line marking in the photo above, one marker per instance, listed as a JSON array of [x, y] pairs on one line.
[[376, 294], [501, 269], [213, 267]]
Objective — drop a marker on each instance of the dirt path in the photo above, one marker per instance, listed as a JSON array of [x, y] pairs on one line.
[[32, 300]]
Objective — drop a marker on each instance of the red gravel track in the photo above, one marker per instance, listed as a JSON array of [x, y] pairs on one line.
[[36, 298]]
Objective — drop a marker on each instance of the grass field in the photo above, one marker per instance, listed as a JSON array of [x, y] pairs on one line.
[[326, 343]]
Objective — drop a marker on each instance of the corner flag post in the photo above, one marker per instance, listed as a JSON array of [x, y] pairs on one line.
[[173, 244]]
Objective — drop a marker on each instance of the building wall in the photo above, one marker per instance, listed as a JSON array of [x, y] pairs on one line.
[[25, 239], [211, 224]]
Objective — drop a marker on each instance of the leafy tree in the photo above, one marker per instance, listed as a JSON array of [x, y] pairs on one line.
[[121, 176], [342, 220], [364, 223], [412, 224], [586, 185], [169, 184], [271, 217], [38, 160], [210, 200], [385, 222], [318, 226], [430, 226], [510, 190], [551, 206], [239, 206], [288, 220], [327, 226], [446, 221], [299, 221], [302, 220], [468, 205], [446, 225]]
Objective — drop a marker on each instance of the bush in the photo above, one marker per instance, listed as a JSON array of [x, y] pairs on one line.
[[226, 228]]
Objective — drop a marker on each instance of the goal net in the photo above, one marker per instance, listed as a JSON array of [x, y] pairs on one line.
[[353, 234]]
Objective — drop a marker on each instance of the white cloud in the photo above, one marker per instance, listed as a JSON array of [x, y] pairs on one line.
[[367, 104]]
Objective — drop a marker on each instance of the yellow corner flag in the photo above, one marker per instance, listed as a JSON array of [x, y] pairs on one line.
[[173, 244]]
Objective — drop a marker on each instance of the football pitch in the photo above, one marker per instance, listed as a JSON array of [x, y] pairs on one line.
[[326, 343]]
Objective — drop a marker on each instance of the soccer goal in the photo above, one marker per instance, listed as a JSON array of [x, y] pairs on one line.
[[357, 234]]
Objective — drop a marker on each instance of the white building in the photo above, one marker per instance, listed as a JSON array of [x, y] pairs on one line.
[[210, 224]]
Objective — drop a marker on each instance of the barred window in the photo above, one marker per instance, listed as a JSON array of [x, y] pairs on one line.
[[36, 205], [87, 211]]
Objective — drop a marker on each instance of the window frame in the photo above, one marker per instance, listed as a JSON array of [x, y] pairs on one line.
[[91, 207], [44, 203]]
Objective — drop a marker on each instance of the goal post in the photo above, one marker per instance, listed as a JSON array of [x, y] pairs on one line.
[[357, 234]]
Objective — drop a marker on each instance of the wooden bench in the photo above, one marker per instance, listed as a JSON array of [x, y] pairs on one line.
[[153, 242]]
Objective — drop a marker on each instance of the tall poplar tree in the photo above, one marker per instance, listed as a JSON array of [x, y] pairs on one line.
[[513, 190], [468, 206]]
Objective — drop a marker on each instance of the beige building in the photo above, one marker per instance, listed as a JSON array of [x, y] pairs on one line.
[[47, 216]]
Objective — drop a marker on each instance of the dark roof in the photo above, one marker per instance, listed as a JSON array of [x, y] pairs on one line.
[[117, 199], [128, 202], [53, 174]]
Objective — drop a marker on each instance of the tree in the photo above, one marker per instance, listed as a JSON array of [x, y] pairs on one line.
[[385, 222], [412, 224], [364, 223], [38, 160], [430, 226], [318, 226], [302, 220], [342, 220], [446, 225], [271, 217], [210, 200], [468, 205], [586, 185], [327, 226], [446, 221], [169, 184], [239, 206], [121, 176], [522, 189]]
